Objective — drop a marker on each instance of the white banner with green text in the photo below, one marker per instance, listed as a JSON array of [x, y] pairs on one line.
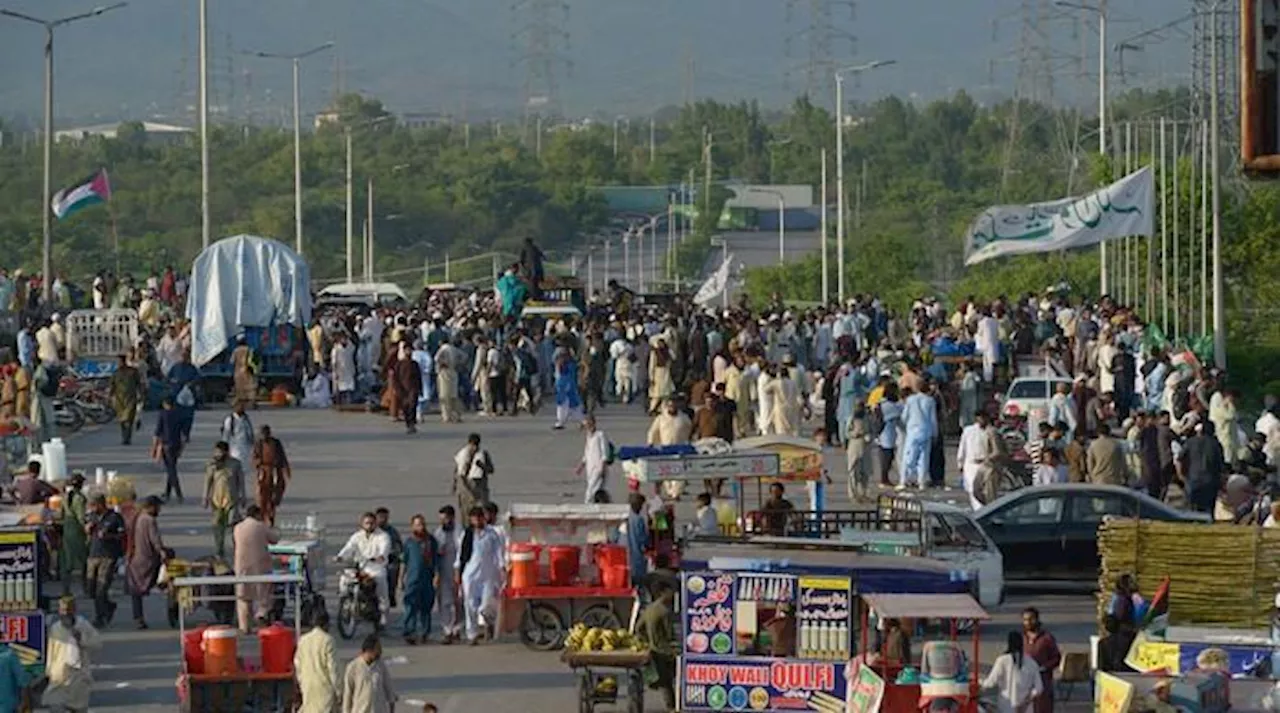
[[1123, 208]]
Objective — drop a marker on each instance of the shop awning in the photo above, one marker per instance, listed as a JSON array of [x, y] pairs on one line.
[[925, 606]]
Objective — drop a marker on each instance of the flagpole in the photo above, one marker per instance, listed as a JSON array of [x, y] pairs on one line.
[[111, 214]]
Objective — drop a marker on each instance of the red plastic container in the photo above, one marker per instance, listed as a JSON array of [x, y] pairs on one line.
[[220, 651], [192, 652], [524, 564], [614, 576], [564, 564], [277, 645], [610, 554]]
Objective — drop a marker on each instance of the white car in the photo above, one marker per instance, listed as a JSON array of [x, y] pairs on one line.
[[1028, 394]]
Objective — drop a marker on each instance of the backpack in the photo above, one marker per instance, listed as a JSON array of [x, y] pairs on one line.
[[611, 454]]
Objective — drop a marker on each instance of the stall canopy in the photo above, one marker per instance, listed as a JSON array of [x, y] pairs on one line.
[[934, 606], [244, 281]]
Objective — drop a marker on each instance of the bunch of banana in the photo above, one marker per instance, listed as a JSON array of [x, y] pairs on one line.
[[581, 638]]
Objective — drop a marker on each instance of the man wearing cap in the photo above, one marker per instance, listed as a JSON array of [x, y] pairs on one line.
[[105, 528]]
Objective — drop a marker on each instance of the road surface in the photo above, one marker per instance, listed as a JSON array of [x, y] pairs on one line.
[[345, 464]]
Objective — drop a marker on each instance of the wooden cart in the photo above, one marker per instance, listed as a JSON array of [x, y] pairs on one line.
[[595, 669]]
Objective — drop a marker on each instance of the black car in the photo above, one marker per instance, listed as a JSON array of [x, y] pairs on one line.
[[1049, 533]]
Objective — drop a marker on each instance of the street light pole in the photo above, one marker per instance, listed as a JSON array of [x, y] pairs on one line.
[[825, 292], [205, 219], [1101, 10], [296, 61], [351, 218], [46, 224], [839, 75], [1219, 315]]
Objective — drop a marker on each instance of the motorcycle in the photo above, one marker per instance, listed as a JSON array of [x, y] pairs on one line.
[[67, 414], [357, 599]]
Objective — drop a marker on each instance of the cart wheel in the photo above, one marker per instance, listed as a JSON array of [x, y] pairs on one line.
[[347, 617], [635, 691], [600, 616], [541, 627], [173, 614], [585, 693]]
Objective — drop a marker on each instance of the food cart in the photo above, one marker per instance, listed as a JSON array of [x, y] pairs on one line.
[[598, 673], [738, 466], [773, 628], [800, 460], [541, 601], [22, 618], [215, 674]]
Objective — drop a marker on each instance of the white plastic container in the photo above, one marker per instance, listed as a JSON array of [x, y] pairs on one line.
[[99, 477], [55, 461]]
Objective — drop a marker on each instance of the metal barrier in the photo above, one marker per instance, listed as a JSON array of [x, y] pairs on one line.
[[96, 337]]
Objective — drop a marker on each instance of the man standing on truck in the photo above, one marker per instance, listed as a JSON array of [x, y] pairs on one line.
[[126, 392], [245, 377]]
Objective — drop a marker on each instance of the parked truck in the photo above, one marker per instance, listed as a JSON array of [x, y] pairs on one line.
[[252, 288]]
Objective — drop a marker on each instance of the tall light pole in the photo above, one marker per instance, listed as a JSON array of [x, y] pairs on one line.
[[351, 216], [46, 260], [1101, 10], [826, 293], [856, 69], [1219, 315], [296, 60], [205, 213]]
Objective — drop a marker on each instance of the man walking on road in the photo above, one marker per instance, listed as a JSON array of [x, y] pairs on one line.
[[126, 391], [479, 573], [252, 557], [317, 669], [472, 468], [408, 387], [1043, 649], [366, 684], [167, 446], [105, 528], [595, 458], [273, 473], [223, 494], [446, 536], [420, 553]]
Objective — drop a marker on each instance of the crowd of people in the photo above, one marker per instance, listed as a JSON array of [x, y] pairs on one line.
[[887, 388]]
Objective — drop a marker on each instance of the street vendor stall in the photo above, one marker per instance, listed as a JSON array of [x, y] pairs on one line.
[[585, 578], [215, 673], [772, 628], [800, 460], [738, 467], [22, 618]]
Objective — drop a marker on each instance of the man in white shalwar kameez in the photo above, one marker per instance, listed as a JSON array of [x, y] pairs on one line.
[[370, 344], [366, 684], [974, 455], [343, 359], [237, 431], [764, 402], [71, 638], [784, 396], [595, 458], [987, 341], [481, 577]]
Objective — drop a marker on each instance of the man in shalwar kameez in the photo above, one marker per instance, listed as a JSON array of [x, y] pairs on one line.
[[70, 640], [316, 667]]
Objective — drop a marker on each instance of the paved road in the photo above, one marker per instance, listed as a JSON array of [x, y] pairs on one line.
[[348, 463]]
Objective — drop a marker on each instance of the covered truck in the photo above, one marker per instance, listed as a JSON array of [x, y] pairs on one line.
[[253, 287]]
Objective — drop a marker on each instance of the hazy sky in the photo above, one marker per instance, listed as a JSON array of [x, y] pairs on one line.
[[627, 56]]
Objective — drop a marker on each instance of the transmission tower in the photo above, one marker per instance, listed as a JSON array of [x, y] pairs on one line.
[[1227, 19], [822, 42], [542, 44]]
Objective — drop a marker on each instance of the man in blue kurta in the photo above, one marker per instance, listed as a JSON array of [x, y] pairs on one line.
[[13, 681], [417, 581]]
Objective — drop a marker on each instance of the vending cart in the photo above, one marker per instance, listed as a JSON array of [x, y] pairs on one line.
[[775, 628], [564, 570], [22, 618]]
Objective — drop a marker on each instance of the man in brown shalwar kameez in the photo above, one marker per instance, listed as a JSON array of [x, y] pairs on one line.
[[407, 385], [273, 473], [146, 553], [245, 378], [1043, 649]]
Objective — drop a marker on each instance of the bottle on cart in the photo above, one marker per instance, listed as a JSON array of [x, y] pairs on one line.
[[28, 597]]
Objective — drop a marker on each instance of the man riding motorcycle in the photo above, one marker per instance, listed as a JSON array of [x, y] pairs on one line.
[[370, 546]]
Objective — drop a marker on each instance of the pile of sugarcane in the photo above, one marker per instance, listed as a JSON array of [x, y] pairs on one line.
[[1219, 575]]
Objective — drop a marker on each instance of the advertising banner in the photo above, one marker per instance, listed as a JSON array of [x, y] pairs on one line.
[[866, 689], [822, 614], [709, 683], [19, 571], [708, 613], [1111, 694], [24, 635]]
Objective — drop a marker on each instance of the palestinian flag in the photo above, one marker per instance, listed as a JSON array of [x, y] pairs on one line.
[[92, 190]]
